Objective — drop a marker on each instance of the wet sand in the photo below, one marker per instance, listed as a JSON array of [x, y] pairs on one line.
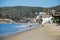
[[36, 34]]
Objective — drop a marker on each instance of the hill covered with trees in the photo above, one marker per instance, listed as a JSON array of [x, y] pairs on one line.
[[19, 12], [57, 8]]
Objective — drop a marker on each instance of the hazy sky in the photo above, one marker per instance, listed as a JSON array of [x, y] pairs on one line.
[[36, 3]]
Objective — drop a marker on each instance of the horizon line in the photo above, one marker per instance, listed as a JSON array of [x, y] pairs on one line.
[[30, 6]]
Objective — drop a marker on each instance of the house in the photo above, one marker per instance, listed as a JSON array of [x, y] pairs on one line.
[[57, 16]]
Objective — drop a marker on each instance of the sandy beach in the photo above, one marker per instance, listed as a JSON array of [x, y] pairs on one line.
[[35, 34]]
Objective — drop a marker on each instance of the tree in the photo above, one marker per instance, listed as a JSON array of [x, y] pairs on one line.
[[6, 16], [1, 16]]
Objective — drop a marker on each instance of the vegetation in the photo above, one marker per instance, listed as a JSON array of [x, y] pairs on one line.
[[1, 16], [20, 12], [57, 8]]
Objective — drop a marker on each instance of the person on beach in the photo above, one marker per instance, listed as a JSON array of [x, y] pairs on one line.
[[30, 24]]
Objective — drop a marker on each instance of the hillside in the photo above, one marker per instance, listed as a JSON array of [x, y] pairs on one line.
[[20, 10], [23, 11], [57, 8]]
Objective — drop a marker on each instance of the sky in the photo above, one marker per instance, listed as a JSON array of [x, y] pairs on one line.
[[34, 3]]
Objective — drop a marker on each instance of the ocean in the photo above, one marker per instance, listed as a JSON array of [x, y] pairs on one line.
[[11, 29]]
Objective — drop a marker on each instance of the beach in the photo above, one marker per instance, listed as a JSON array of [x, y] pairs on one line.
[[38, 33]]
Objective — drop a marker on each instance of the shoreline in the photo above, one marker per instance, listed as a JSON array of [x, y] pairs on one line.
[[19, 31], [35, 34]]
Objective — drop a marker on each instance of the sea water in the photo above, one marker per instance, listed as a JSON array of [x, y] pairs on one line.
[[10, 29]]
